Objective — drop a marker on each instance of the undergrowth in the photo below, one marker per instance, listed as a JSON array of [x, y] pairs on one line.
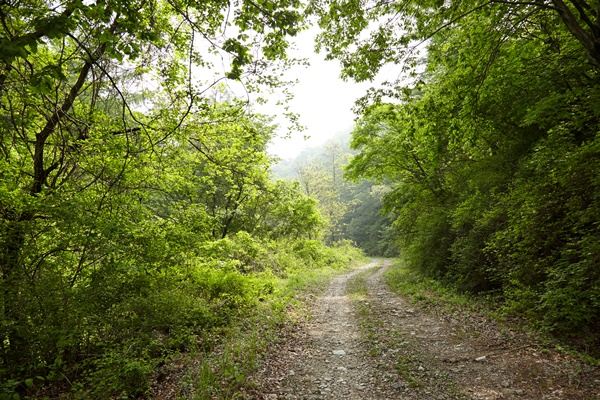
[[225, 372], [213, 316]]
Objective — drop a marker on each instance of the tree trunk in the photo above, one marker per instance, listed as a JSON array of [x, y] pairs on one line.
[[591, 41]]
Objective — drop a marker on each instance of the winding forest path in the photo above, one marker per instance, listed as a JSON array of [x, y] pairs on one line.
[[372, 344]]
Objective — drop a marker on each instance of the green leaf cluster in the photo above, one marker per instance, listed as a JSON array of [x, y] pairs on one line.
[[492, 157], [137, 218]]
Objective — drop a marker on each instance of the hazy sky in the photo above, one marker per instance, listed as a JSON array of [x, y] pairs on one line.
[[323, 100]]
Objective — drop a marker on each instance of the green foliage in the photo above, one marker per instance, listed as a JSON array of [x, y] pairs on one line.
[[226, 371], [132, 262], [423, 290], [366, 225], [365, 36], [350, 210], [137, 218], [133, 315], [490, 160]]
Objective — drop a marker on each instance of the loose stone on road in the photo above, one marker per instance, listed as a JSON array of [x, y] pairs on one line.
[[332, 362], [382, 347]]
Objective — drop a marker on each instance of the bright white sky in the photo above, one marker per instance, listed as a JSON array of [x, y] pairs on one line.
[[321, 98]]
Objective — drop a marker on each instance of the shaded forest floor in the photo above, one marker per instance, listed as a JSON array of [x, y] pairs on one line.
[[366, 342]]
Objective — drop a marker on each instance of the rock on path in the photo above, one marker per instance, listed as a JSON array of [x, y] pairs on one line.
[[331, 361], [382, 347]]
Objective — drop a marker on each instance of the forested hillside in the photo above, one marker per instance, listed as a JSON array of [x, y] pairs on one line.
[[351, 209], [490, 143]]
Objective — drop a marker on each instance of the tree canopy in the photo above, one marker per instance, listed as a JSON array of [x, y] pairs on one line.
[[366, 35], [490, 142], [133, 185]]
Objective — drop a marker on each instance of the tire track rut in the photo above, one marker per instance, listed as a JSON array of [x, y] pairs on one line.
[[377, 346]]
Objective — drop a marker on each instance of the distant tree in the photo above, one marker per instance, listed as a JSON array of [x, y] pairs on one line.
[[351, 209]]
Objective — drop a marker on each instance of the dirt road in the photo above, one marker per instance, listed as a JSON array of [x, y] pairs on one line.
[[365, 342]]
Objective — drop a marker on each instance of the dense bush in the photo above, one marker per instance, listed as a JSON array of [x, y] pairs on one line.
[[127, 320], [109, 275], [494, 166]]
